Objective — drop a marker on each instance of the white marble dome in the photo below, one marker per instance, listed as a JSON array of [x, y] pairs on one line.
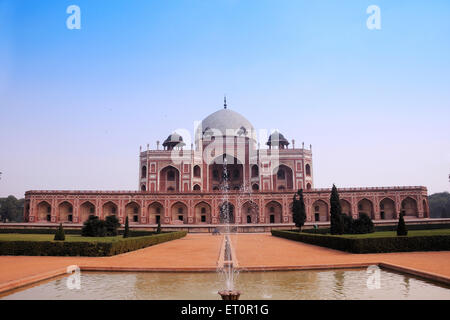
[[227, 122]]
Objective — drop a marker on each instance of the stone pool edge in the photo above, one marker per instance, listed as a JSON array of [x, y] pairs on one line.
[[16, 284]]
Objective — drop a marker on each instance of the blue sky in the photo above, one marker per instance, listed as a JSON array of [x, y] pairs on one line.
[[75, 105]]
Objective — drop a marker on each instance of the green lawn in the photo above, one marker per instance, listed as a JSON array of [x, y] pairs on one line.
[[411, 233], [49, 237]]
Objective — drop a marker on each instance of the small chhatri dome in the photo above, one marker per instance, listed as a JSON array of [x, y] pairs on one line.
[[173, 140], [277, 139]]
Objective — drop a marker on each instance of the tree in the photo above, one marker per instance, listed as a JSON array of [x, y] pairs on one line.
[[94, 227], [401, 227], [59, 235], [11, 209], [158, 228], [112, 224], [298, 210], [337, 225], [363, 224], [126, 232]]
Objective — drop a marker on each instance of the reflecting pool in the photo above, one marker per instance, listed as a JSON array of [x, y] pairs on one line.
[[285, 285]]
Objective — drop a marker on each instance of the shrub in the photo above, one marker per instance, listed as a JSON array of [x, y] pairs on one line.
[[94, 227], [363, 224], [126, 232], [401, 227], [112, 224], [59, 234], [347, 222]]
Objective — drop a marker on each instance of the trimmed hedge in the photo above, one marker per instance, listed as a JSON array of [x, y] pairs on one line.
[[388, 228], [370, 245], [133, 233], [86, 248]]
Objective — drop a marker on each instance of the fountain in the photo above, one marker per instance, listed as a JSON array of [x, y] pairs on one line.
[[226, 265]]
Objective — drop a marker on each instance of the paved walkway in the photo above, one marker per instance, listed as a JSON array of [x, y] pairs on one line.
[[264, 251], [201, 253]]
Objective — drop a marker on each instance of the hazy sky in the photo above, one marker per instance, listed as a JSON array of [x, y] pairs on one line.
[[75, 105]]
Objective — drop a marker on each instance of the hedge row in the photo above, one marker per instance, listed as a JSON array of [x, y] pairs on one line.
[[370, 245], [133, 233], [389, 228], [85, 248]]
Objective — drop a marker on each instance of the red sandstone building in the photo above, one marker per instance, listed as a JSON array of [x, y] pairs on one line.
[[188, 187]]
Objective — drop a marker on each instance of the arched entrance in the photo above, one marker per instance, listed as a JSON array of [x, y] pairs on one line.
[[274, 212], [133, 212], [169, 179], [320, 211], [250, 212], [179, 213], [109, 209], [202, 212], [282, 178], [226, 213], [155, 213], [44, 211], [366, 206], [235, 173], [86, 209], [65, 212], [346, 207], [409, 207], [387, 209]]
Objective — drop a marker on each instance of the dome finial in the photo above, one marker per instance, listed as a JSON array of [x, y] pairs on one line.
[[225, 101]]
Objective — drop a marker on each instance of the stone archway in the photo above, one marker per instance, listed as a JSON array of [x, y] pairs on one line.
[[155, 213], [44, 211], [109, 209], [133, 212], [387, 209], [86, 209], [226, 213], [409, 207], [366, 206], [320, 211], [169, 179], [65, 212], [202, 213], [282, 178], [274, 212], [250, 212], [346, 207], [179, 213]]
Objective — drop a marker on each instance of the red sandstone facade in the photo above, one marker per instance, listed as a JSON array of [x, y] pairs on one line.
[[188, 187]]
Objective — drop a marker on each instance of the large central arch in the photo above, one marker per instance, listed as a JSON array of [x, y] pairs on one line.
[[234, 176]]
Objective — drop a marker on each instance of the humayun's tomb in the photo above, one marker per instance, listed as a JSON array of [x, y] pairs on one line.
[[185, 187]]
